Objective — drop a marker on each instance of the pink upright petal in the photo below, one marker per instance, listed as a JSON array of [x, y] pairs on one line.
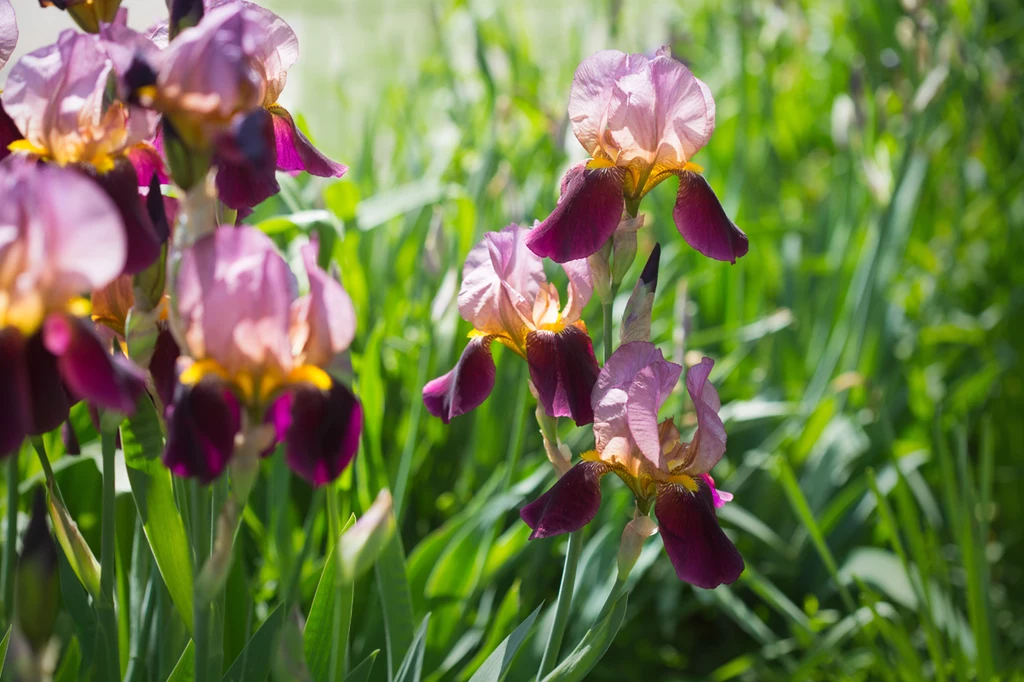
[[323, 322], [500, 282], [708, 444], [570, 504], [584, 219], [581, 288], [563, 369], [591, 93], [700, 552], [648, 390], [8, 31], [466, 386], [684, 112], [702, 221], [233, 295], [296, 153]]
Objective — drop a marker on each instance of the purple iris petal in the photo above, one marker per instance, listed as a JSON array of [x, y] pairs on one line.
[[570, 504], [15, 418], [90, 371], [201, 428], [8, 133], [247, 160], [148, 164], [466, 386], [584, 219], [49, 397], [121, 184], [700, 552], [701, 220], [70, 438], [322, 434], [296, 153], [563, 369], [163, 365]]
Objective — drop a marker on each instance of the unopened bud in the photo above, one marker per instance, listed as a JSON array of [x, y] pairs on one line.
[[76, 549], [632, 543], [188, 165], [361, 544], [36, 587], [600, 272], [636, 320], [624, 247]]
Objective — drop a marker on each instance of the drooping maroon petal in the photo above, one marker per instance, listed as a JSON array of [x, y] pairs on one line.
[[49, 397], [563, 369], [122, 185], [296, 153], [701, 220], [70, 438], [162, 366], [148, 164], [466, 386], [8, 133], [584, 219], [322, 433], [156, 208], [201, 428], [246, 161], [700, 551], [90, 371], [571, 503], [15, 418]]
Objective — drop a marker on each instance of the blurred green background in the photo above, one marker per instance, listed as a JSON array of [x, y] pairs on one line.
[[868, 349]]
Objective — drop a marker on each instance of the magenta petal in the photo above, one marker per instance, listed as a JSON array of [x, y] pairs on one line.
[[90, 371], [564, 369], [323, 434], [15, 418], [584, 219], [163, 366], [466, 386], [147, 163], [122, 185], [700, 551], [701, 220], [49, 397], [719, 497], [246, 161], [571, 503], [296, 153], [201, 428], [8, 133]]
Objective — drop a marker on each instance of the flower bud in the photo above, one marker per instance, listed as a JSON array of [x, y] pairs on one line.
[[624, 247], [361, 544], [636, 320], [36, 588], [188, 164], [632, 543], [600, 272]]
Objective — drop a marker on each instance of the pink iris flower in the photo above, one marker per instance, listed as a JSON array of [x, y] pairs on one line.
[[507, 298], [219, 82], [258, 354], [60, 236], [8, 41], [650, 458], [641, 120], [63, 101]]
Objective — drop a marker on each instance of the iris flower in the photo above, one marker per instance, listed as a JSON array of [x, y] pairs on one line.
[[63, 100], [507, 298], [661, 471], [259, 352], [219, 83], [60, 236], [641, 120], [8, 41]]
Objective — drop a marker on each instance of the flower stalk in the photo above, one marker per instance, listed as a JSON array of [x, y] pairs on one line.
[[105, 607], [563, 606], [10, 556]]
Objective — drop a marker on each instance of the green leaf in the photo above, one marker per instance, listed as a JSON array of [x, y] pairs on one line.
[[321, 632], [411, 669], [184, 669], [497, 664], [253, 664], [76, 550], [361, 673], [380, 208], [70, 664], [3, 647], [393, 587], [76, 603], [592, 648]]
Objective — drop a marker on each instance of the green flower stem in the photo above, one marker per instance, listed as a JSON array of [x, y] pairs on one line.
[[201, 536], [563, 606], [617, 591], [105, 607], [10, 555], [606, 310]]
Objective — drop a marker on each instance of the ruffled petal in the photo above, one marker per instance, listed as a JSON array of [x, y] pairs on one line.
[[296, 153], [8, 31], [581, 288], [684, 111], [648, 390], [323, 322], [90, 371], [122, 186], [571, 503], [15, 399], [701, 220], [563, 368], [700, 551], [247, 160], [322, 432], [584, 219], [466, 386], [201, 428], [708, 444], [591, 93]]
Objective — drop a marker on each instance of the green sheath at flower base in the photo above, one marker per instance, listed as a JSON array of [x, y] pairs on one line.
[[361, 544]]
